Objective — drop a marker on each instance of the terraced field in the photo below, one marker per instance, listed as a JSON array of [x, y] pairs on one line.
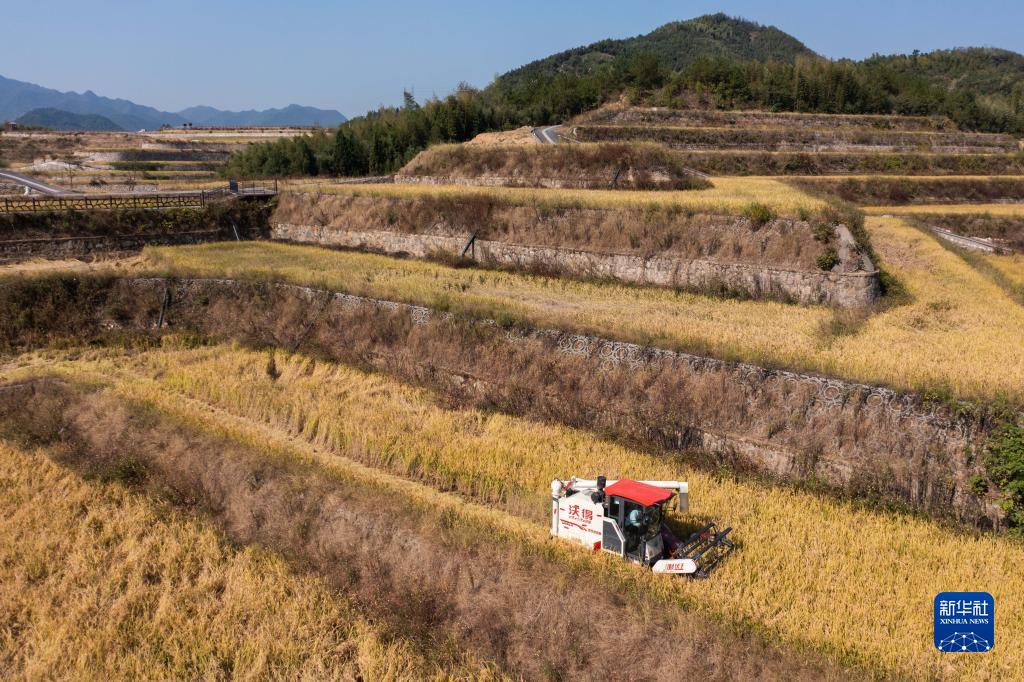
[[1011, 266], [168, 594], [726, 194], [195, 483], [138, 162], [949, 209], [948, 302], [797, 139], [330, 415]]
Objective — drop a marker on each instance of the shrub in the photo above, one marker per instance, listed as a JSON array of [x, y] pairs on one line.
[[828, 260], [1005, 466], [759, 213], [824, 232]]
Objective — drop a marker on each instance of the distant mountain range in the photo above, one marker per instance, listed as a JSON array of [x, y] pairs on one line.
[[18, 98]]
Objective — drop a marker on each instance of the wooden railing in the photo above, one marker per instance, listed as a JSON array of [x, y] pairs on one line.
[[88, 202], [140, 200]]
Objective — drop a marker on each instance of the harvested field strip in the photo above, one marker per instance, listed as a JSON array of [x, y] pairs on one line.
[[782, 138], [423, 561], [955, 209], [1005, 271], [759, 163], [886, 567], [914, 178], [98, 583], [752, 118], [115, 265], [729, 195], [929, 344], [900, 190]]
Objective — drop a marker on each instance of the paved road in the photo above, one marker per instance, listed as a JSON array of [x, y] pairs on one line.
[[26, 181], [969, 243], [547, 134]]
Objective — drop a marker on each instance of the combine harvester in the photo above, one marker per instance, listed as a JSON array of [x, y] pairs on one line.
[[627, 518]]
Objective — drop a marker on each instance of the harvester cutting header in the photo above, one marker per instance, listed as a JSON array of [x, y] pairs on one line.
[[627, 518]]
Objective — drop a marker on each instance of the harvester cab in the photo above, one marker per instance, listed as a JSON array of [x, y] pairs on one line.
[[627, 518]]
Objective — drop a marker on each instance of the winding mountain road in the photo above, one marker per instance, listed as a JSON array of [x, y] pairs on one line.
[[26, 181], [547, 134]]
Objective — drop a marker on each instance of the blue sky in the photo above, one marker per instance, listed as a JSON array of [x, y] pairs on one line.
[[353, 56]]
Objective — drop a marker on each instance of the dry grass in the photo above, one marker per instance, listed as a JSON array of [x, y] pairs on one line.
[[519, 136], [655, 229], [599, 166], [798, 138], [121, 265], [854, 163], [98, 583], [811, 573], [629, 115], [959, 333], [901, 190], [729, 195]]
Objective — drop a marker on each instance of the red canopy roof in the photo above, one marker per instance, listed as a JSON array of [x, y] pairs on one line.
[[638, 492]]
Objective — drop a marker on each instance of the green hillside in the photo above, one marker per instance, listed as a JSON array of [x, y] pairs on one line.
[[712, 62], [57, 119], [675, 46], [980, 70]]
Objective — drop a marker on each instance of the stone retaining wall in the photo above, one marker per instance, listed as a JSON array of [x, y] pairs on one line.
[[611, 180], [792, 140], [829, 288], [12, 251], [863, 440], [795, 426]]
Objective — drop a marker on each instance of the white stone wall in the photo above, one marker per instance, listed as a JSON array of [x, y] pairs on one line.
[[845, 289]]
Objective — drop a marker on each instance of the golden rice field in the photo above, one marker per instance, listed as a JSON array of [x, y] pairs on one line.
[[1011, 267], [883, 569], [100, 583], [729, 194], [954, 209], [1005, 270], [931, 343]]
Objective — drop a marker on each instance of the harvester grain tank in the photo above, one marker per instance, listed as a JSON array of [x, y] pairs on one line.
[[627, 518]]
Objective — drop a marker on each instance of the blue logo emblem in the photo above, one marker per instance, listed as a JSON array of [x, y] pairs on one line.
[[964, 622]]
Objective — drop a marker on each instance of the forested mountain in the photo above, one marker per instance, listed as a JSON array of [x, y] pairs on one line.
[[731, 63], [713, 61], [975, 69], [675, 46], [57, 119]]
